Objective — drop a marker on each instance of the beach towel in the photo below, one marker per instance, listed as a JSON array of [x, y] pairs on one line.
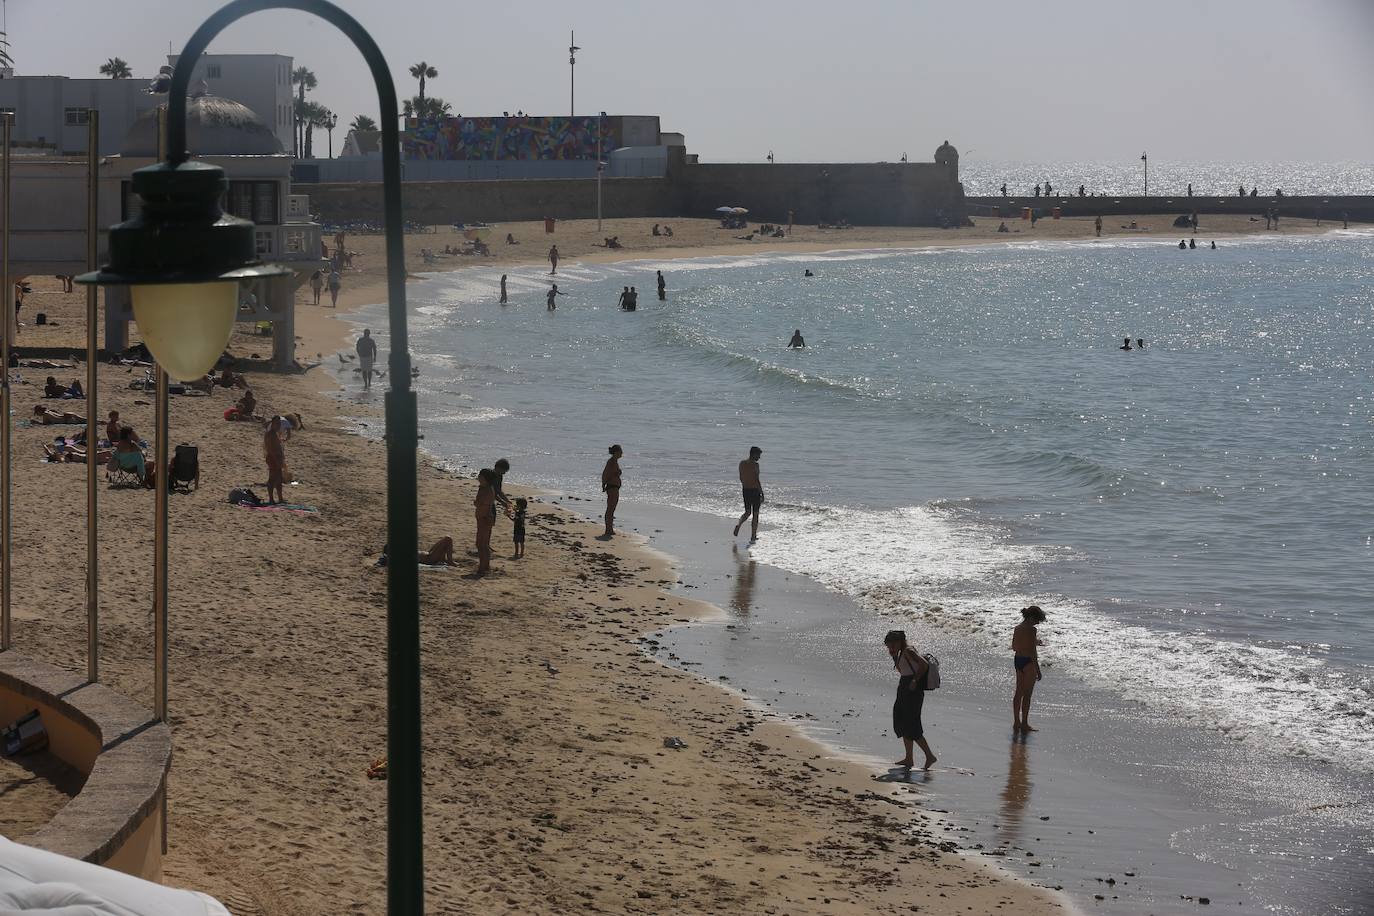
[[282, 507]]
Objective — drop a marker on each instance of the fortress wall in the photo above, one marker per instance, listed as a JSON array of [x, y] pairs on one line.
[[870, 194]]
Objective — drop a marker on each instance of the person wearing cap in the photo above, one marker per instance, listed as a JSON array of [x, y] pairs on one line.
[[753, 491], [911, 695]]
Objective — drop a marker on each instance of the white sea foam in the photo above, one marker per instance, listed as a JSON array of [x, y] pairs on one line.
[[940, 565]]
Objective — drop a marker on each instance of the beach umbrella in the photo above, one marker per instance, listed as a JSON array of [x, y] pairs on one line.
[[739, 210], [725, 209]]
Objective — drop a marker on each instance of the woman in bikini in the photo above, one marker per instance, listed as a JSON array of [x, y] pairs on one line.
[[911, 695], [1026, 659], [610, 485], [484, 505]]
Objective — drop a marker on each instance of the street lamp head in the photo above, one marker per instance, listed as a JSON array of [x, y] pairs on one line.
[[182, 258]]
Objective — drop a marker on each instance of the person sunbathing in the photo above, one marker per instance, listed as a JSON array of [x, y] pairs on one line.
[[52, 389], [246, 405], [48, 417], [61, 451]]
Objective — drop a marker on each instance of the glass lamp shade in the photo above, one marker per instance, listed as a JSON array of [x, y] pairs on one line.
[[186, 325]]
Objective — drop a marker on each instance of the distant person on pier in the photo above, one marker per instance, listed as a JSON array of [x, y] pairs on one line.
[[1004, 189], [1082, 190], [1254, 192], [1190, 189], [1047, 188], [1037, 190], [1242, 190], [796, 342]]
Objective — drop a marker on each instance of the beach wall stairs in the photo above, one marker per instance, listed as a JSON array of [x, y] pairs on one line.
[[120, 750]]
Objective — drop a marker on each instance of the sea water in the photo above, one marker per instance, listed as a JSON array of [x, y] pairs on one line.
[[962, 436]]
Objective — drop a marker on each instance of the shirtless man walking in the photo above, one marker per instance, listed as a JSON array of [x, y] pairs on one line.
[[753, 491], [1024, 640]]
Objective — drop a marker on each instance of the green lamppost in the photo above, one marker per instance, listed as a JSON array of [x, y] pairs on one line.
[[182, 258]]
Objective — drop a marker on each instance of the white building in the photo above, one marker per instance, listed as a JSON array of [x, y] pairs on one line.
[[50, 111], [260, 81], [48, 236]]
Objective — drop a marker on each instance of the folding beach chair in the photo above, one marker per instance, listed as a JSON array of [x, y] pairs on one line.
[[185, 468], [126, 469]]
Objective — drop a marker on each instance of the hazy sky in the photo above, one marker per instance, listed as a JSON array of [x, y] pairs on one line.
[[856, 80]]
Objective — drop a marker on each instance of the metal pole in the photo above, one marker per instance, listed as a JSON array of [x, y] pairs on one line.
[[92, 401], [10, 322], [159, 470], [572, 75], [405, 834], [598, 173]]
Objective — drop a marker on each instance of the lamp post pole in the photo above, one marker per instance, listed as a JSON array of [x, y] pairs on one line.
[[572, 75], [10, 325], [599, 121], [405, 867], [1146, 159], [92, 401]]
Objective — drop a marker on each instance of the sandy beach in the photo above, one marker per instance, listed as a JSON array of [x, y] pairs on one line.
[[548, 785]]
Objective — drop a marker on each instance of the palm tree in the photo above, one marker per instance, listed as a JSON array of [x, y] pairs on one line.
[[425, 109], [313, 115], [5, 59], [422, 71], [363, 122], [304, 79], [331, 121], [116, 68]]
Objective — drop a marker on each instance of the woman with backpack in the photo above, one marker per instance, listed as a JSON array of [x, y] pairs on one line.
[[913, 671]]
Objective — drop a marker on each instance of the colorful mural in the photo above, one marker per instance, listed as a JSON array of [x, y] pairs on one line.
[[525, 137]]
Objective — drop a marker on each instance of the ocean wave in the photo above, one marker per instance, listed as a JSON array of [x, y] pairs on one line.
[[943, 566], [718, 353]]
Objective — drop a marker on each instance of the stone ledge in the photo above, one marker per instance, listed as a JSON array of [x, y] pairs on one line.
[[124, 786]]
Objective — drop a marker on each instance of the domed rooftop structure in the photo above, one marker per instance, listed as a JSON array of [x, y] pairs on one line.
[[947, 154], [214, 127]]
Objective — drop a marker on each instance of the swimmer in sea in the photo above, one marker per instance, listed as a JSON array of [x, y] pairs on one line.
[[1182, 245], [796, 342], [1126, 344], [1140, 343], [808, 273], [1024, 640]]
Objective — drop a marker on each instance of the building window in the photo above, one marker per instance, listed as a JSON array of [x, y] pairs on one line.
[[212, 72], [264, 243], [294, 242], [253, 200], [78, 117]]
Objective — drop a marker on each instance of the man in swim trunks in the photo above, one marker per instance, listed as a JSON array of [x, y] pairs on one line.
[[367, 355], [753, 491], [1026, 660]]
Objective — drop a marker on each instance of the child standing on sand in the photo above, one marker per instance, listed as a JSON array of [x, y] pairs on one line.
[[522, 506], [1024, 640]]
